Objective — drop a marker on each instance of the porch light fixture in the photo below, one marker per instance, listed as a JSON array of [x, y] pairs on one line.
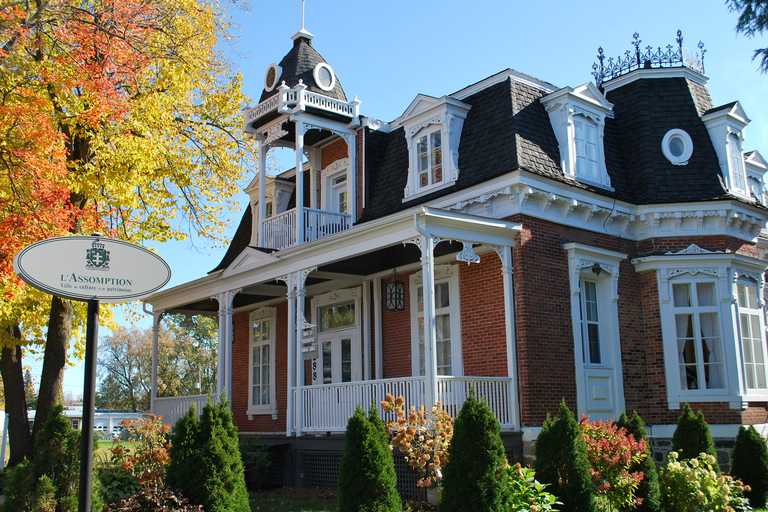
[[395, 293], [596, 269]]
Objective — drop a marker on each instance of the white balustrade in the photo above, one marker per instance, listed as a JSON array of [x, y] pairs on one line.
[[299, 98], [173, 408], [327, 407], [280, 230]]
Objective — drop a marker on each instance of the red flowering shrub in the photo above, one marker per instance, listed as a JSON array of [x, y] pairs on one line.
[[148, 459], [612, 452]]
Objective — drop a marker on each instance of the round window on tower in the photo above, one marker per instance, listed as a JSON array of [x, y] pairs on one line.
[[272, 76], [324, 77], [677, 147]]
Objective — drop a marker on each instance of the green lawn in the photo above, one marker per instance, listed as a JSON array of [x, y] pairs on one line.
[[293, 499]]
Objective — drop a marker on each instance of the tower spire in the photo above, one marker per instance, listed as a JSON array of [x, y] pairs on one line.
[[303, 32]]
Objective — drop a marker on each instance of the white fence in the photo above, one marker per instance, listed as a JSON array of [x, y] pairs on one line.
[[280, 230], [173, 408]]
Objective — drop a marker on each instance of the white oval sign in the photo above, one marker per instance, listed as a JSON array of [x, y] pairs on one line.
[[92, 268]]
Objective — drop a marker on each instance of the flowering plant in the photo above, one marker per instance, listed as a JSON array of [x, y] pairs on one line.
[[692, 485], [612, 452], [422, 435], [149, 457], [526, 493]]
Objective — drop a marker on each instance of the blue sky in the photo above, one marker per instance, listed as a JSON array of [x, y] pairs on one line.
[[388, 52]]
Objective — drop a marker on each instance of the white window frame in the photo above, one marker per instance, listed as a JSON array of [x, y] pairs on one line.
[[444, 274], [736, 168], [584, 154], [756, 334], [428, 135], [270, 314], [567, 107], [725, 269], [328, 176]]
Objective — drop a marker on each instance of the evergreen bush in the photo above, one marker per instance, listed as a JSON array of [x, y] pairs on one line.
[[648, 490], [475, 477], [561, 461], [213, 475], [692, 436], [51, 480], [367, 477], [749, 463]]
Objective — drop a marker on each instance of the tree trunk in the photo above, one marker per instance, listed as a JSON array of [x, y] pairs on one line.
[[20, 440], [54, 359]]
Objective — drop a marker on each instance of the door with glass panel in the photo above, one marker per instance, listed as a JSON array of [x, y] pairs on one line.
[[600, 387], [339, 345]]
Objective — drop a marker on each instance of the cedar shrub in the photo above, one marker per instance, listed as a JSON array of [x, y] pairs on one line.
[[213, 475], [475, 477], [367, 477], [649, 486], [749, 463], [562, 462], [692, 436]]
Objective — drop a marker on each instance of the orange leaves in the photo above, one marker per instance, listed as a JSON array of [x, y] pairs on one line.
[[150, 456]]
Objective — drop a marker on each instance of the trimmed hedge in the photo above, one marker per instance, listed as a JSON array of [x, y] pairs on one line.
[[749, 464]]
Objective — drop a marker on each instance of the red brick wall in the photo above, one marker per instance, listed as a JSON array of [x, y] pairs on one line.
[[240, 371], [483, 329], [333, 152], [720, 243], [396, 333]]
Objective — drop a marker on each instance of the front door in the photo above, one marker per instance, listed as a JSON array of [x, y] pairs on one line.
[[339, 357], [599, 370]]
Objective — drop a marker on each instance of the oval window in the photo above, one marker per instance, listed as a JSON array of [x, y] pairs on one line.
[[324, 77], [677, 147], [271, 77]]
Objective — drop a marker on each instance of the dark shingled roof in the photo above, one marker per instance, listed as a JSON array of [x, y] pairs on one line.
[[644, 111], [240, 241], [299, 64]]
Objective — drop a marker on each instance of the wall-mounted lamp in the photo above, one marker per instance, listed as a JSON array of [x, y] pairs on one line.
[[596, 269], [395, 293]]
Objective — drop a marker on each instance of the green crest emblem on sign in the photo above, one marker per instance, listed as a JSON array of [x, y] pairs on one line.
[[97, 258]]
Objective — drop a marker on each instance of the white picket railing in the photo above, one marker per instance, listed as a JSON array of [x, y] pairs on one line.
[[280, 230], [173, 408], [327, 407], [286, 100]]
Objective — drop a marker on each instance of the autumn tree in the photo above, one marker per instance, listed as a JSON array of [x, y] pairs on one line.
[[187, 353], [118, 116], [753, 20], [29, 390]]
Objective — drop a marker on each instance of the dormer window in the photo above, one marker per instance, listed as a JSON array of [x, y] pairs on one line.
[[726, 129], [578, 120], [432, 128], [736, 164], [585, 138], [429, 158], [756, 169]]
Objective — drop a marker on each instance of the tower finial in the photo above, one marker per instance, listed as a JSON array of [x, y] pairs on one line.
[[303, 32]]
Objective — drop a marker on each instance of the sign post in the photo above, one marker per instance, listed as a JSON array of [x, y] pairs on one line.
[[93, 269]]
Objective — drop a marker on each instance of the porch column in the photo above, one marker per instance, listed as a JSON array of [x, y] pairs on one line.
[[289, 280], [301, 323], [263, 150], [379, 345], [156, 318], [507, 275], [352, 176], [300, 224], [430, 326], [224, 381], [367, 330]]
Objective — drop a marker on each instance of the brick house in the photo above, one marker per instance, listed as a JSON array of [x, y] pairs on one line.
[[598, 244]]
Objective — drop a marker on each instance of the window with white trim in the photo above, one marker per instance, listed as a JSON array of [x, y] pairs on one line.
[[699, 338], [429, 160], [585, 139], [261, 379], [752, 336], [447, 322], [590, 323], [736, 164]]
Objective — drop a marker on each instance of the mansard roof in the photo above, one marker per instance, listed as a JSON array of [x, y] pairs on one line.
[[299, 64]]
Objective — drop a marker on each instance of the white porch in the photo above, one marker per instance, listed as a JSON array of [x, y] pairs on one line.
[[280, 230], [327, 407]]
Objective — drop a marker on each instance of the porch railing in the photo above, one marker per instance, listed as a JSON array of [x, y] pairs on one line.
[[173, 408], [280, 230], [291, 100], [327, 407]]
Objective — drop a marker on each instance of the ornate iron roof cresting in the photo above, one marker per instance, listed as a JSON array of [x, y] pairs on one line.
[[606, 69]]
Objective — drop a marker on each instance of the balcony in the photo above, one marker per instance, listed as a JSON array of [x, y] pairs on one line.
[[280, 231], [291, 101]]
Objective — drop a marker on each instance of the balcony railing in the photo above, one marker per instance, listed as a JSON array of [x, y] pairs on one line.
[[280, 231], [173, 408], [327, 407], [291, 100]]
